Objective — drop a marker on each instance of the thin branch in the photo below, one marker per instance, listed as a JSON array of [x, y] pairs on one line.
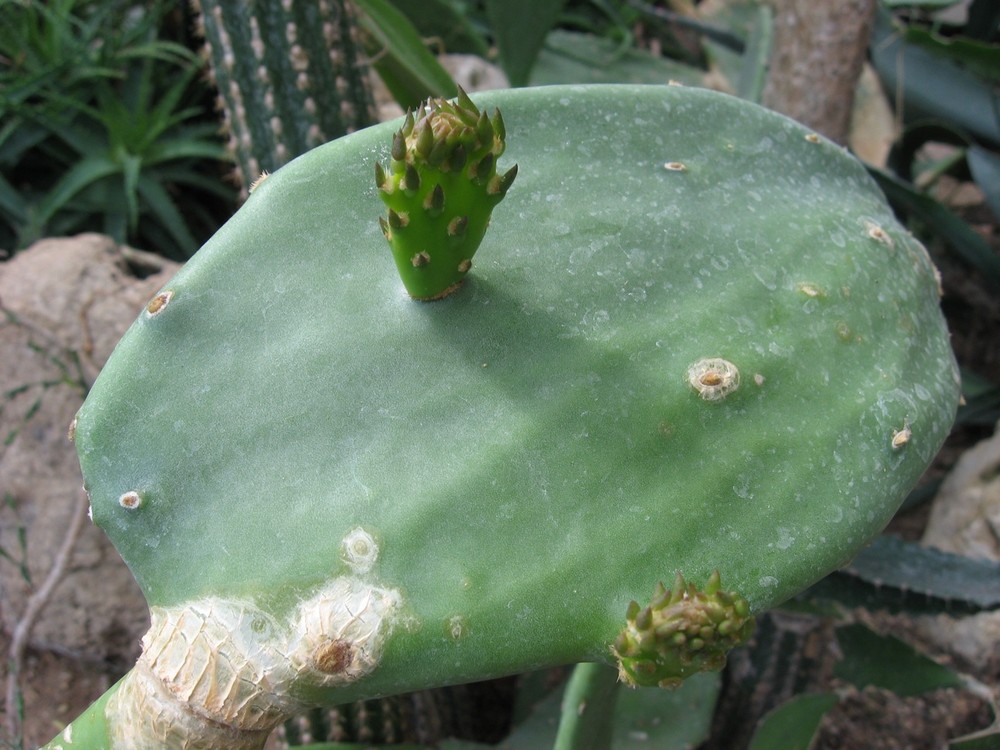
[[33, 608]]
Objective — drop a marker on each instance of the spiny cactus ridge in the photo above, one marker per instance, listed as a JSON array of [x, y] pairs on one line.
[[680, 632], [441, 188], [290, 77]]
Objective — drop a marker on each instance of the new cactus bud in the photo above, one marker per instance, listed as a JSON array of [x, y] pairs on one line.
[[682, 631], [443, 175]]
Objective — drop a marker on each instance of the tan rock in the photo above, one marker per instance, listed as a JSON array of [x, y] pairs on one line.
[[965, 520], [65, 304]]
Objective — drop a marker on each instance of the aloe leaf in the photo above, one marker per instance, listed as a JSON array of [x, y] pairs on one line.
[[896, 575], [985, 167], [441, 21], [184, 148], [12, 203], [792, 725], [573, 57], [756, 58], [400, 56], [683, 349], [885, 661], [976, 57], [716, 28], [80, 176], [933, 87], [160, 205], [520, 28]]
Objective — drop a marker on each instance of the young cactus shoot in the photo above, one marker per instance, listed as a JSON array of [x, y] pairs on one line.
[[690, 348], [682, 631], [441, 188]]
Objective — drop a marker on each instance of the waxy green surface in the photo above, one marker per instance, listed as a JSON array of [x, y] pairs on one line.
[[528, 452]]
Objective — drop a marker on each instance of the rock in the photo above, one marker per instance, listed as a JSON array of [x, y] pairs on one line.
[[966, 515], [65, 304], [965, 519]]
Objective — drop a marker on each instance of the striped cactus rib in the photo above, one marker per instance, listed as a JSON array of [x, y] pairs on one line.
[[290, 77]]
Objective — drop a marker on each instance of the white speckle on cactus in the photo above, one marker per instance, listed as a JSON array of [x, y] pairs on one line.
[[130, 500], [159, 302], [714, 378], [758, 379], [359, 550], [675, 166], [810, 290], [812, 138]]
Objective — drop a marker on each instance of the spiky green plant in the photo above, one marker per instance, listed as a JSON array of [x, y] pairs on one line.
[[290, 76], [684, 348], [440, 191]]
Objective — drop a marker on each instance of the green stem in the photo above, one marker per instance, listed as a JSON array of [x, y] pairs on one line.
[[588, 708]]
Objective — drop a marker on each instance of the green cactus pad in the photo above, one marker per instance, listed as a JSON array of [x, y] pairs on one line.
[[693, 340], [441, 189], [682, 631]]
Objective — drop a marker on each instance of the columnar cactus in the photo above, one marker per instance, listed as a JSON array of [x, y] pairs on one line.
[[687, 347], [441, 189], [290, 76]]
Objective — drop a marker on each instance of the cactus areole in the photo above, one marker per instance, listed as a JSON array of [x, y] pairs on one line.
[[684, 349]]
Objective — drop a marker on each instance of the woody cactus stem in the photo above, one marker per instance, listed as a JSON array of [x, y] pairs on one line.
[[681, 632], [441, 189], [289, 74]]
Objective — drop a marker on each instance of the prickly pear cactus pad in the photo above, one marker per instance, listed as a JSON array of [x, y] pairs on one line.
[[685, 349]]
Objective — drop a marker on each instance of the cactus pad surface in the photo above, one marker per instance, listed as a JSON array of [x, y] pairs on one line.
[[488, 481]]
